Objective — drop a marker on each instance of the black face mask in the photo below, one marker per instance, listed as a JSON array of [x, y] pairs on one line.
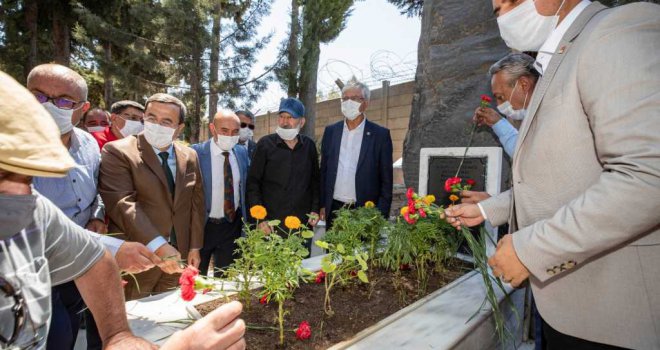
[[16, 213]]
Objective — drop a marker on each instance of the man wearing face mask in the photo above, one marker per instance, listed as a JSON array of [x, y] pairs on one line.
[[63, 93], [586, 174], [356, 158], [95, 120], [284, 174], [153, 191], [247, 132], [126, 117], [224, 170]]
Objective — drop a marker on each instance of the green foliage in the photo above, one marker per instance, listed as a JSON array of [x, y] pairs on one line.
[[410, 8], [341, 265], [353, 228]]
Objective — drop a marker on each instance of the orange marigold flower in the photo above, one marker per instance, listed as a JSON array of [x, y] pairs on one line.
[[453, 198], [258, 212], [369, 204], [428, 199], [292, 222], [404, 211]]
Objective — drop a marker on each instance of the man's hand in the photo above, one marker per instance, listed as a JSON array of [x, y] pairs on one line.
[[265, 227], [322, 214], [98, 226], [193, 257], [126, 340], [134, 257], [473, 197], [313, 219], [221, 329], [464, 214], [486, 116], [506, 265], [170, 257]]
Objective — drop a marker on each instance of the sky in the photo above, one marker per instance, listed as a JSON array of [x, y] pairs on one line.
[[378, 43]]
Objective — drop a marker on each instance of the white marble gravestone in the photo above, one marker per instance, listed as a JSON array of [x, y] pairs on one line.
[[490, 173]]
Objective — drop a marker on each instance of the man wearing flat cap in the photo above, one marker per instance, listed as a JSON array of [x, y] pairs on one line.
[[284, 174]]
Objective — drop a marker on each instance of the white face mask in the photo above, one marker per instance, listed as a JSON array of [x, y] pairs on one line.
[[287, 134], [524, 29], [131, 127], [157, 135], [62, 117], [226, 143], [95, 128], [350, 109], [507, 109], [245, 134]]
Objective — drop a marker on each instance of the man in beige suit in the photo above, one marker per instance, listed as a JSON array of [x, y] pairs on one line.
[[153, 192], [585, 203]]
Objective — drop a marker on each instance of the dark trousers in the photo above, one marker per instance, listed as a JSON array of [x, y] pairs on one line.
[[554, 340], [67, 306], [219, 242], [331, 215], [94, 341]]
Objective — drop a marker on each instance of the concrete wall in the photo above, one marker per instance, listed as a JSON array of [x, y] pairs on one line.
[[389, 106]]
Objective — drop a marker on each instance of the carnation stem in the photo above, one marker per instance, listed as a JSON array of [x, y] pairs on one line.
[[281, 319], [474, 128]]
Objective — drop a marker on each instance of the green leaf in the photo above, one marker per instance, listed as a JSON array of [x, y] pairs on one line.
[[307, 234], [363, 264], [322, 244], [362, 276], [274, 222], [340, 248]]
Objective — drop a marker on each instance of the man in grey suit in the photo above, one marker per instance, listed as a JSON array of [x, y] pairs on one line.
[[586, 174]]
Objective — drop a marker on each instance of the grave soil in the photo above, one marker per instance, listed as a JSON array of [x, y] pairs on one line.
[[356, 307]]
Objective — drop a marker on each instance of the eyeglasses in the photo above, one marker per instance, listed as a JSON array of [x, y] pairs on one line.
[[133, 117], [353, 98], [20, 313], [246, 125], [59, 102], [165, 122]]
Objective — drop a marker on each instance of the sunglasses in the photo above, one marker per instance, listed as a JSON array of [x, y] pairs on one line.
[[59, 102], [20, 316], [246, 125]]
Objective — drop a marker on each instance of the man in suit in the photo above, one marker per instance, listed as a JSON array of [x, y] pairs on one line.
[[356, 158], [586, 176], [222, 164], [246, 132], [153, 193]]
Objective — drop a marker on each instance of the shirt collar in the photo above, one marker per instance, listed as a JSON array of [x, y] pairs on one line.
[[359, 128], [170, 150], [549, 47]]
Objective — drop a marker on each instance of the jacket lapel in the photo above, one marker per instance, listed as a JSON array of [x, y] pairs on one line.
[[549, 73], [151, 159], [367, 141], [181, 162]]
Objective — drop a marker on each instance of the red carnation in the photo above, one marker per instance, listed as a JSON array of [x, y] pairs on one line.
[[188, 276], [422, 213], [264, 300], [188, 292], [320, 277], [470, 182], [486, 98], [450, 182], [304, 331], [410, 193]]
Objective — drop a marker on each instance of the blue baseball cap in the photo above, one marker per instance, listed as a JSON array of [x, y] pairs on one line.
[[292, 106]]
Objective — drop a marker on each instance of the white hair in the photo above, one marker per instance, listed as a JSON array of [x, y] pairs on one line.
[[366, 93]]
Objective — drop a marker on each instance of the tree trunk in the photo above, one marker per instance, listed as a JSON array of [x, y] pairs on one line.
[[31, 23], [107, 76], [214, 61], [196, 87], [308, 75], [292, 76], [61, 34]]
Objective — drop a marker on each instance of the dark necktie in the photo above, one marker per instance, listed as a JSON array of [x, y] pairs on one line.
[[230, 209], [170, 184]]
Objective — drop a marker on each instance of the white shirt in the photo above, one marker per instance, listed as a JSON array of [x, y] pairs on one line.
[[549, 47], [218, 179], [349, 154]]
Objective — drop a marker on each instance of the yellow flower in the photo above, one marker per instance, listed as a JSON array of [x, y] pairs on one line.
[[369, 204], [404, 211], [429, 199], [292, 222], [258, 212], [453, 198]]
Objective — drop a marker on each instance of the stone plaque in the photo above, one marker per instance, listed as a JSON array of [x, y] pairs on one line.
[[442, 167]]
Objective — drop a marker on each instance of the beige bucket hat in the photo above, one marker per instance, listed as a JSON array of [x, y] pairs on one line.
[[29, 139]]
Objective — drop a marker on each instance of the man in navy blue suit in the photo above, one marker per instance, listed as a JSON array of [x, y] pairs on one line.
[[356, 158], [224, 171]]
